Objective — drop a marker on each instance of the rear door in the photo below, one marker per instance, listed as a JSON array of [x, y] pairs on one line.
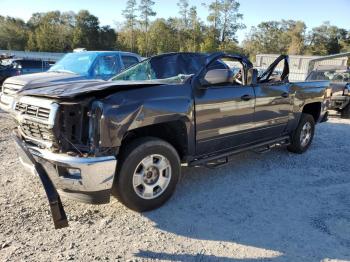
[[273, 106]]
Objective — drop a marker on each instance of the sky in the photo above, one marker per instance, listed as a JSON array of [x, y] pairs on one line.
[[109, 12]]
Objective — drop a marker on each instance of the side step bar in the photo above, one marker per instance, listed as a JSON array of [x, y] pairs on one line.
[[224, 158]]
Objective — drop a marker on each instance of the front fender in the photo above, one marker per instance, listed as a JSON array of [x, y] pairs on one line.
[[127, 111]]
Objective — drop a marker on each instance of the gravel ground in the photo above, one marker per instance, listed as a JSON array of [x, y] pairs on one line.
[[275, 207]]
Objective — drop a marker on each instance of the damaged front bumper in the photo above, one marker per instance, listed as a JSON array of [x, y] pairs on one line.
[[339, 102], [86, 179]]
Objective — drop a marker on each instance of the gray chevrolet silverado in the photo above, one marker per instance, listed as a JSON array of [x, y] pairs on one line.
[[129, 136]]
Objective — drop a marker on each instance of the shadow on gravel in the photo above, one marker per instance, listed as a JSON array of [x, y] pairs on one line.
[[186, 257], [276, 201]]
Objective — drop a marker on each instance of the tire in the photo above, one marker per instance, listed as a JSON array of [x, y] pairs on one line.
[[302, 137], [147, 174], [345, 113]]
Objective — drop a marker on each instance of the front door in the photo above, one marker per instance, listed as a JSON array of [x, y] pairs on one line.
[[224, 116]]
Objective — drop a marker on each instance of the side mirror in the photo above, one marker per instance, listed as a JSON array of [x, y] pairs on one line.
[[217, 76], [252, 76]]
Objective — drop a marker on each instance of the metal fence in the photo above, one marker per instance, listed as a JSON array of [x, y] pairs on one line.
[[45, 56], [299, 65]]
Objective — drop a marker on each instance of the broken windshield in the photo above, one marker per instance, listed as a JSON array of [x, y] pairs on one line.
[[171, 68]]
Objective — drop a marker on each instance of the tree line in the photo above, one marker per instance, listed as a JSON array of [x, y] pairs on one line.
[[142, 33]]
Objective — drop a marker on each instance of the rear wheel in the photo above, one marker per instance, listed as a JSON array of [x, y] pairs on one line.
[[149, 172], [303, 135], [345, 113]]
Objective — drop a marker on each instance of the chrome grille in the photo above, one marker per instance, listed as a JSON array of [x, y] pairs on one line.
[[34, 111], [36, 118], [37, 131], [11, 89]]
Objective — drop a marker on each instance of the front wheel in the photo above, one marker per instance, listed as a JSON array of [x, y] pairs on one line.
[[303, 135], [149, 172]]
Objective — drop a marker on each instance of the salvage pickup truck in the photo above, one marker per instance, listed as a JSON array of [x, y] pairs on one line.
[[128, 137], [339, 78]]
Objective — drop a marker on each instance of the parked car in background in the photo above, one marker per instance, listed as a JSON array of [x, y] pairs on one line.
[[16, 67], [339, 78], [72, 67], [129, 136]]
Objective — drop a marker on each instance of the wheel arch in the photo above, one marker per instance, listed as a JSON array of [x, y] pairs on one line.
[[174, 132], [313, 109]]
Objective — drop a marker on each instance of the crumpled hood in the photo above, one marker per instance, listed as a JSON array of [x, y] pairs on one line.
[[42, 79], [73, 89]]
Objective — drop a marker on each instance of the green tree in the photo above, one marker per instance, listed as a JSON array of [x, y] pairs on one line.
[[146, 12], [107, 38], [184, 12], [180, 32], [31, 43], [51, 31], [276, 37], [181, 24], [214, 17], [196, 29], [162, 37], [86, 31], [213, 32], [224, 22], [265, 38], [326, 39], [209, 45], [230, 21], [131, 18], [13, 33], [295, 32], [345, 44]]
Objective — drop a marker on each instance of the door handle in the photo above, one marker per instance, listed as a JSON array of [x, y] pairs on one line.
[[285, 95], [246, 97]]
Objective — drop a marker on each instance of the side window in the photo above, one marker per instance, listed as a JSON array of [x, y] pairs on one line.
[[276, 75], [46, 64], [30, 64], [129, 60], [278, 71], [35, 64], [106, 66]]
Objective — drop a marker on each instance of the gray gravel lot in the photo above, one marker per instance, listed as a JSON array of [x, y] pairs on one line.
[[275, 207]]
